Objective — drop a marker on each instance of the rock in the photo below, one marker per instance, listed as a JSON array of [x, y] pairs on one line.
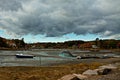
[[78, 57], [90, 72], [73, 77], [110, 66], [80, 76], [69, 77], [103, 71]]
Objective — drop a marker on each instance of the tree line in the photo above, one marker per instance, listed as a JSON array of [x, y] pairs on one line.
[[75, 44]]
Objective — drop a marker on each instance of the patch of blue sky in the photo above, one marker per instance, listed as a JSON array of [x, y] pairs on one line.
[[4, 35], [85, 37], [42, 38], [68, 37]]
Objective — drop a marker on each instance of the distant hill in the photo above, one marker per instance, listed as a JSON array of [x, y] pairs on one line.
[[79, 44]]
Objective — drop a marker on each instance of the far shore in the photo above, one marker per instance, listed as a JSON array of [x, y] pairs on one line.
[[45, 49]]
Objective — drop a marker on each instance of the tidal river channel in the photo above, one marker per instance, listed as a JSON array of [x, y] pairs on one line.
[[44, 57]]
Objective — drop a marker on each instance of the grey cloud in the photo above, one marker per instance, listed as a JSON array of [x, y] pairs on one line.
[[59, 17], [10, 5]]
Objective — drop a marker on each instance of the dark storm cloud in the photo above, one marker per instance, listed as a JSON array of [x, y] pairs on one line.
[[59, 17], [10, 5]]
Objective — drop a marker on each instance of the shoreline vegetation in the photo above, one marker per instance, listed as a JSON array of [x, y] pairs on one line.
[[50, 73], [95, 45], [22, 49], [43, 73]]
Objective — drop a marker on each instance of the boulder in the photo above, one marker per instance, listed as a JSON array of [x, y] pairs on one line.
[[73, 77], [69, 77], [80, 76], [78, 57], [90, 72], [110, 66], [103, 71]]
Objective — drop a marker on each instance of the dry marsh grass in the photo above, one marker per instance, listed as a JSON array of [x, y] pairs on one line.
[[43, 73]]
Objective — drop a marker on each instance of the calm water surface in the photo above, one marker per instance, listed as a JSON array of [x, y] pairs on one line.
[[8, 58]]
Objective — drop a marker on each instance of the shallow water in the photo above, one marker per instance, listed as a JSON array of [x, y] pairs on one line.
[[8, 58]]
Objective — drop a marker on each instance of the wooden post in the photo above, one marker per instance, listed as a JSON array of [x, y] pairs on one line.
[[40, 60]]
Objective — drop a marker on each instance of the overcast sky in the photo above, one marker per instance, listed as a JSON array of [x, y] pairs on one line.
[[59, 20]]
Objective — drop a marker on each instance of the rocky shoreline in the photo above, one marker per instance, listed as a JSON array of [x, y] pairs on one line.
[[113, 75], [105, 72]]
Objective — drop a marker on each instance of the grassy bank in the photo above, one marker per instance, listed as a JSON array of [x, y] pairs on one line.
[[43, 73], [52, 72]]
